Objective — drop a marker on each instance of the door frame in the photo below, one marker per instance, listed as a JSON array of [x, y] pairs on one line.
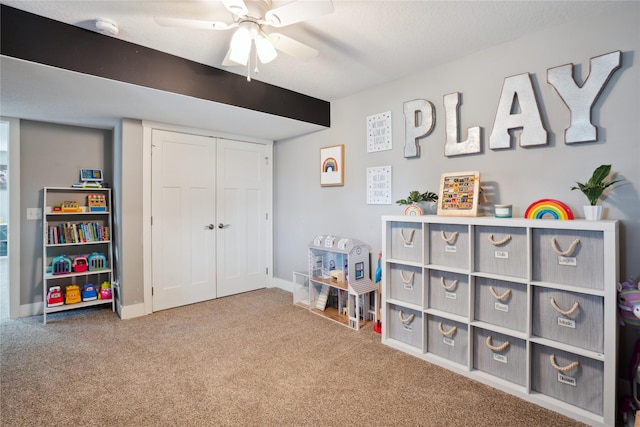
[[147, 127], [13, 264]]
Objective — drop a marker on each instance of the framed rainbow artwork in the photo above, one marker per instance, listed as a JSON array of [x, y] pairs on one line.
[[548, 208], [332, 166]]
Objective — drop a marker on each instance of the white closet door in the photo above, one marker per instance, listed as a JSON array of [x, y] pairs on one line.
[[242, 216], [183, 212]]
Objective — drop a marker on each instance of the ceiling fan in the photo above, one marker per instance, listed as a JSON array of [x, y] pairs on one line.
[[250, 18]]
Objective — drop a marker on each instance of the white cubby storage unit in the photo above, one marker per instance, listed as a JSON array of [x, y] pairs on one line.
[[526, 306], [66, 235], [339, 281]]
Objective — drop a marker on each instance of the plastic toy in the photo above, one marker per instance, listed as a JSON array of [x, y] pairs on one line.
[[89, 292], [377, 328], [105, 291], [54, 297], [97, 261], [97, 202], [61, 265], [72, 294], [70, 207], [80, 264]]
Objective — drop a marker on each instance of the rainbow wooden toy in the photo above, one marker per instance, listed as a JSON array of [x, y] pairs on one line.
[[548, 207], [413, 210]]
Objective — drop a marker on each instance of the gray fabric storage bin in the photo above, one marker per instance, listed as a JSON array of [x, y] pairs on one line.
[[502, 356], [583, 266], [406, 241], [582, 329], [448, 339], [405, 283], [405, 325], [501, 250], [449, 245], [580, 386], [445, 294], [510, 312]]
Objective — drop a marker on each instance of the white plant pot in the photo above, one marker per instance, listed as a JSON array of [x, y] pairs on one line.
[[593, 213], [428, 208]]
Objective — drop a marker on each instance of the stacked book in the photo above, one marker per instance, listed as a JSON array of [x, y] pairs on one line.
[[77, 233]]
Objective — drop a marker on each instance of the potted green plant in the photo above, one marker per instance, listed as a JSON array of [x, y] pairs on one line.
[[419, 203], [593, 189]]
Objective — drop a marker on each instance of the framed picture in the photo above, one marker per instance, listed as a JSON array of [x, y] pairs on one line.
[[332, 166], [459, 193]]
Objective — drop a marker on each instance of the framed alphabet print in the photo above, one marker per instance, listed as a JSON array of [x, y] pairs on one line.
[[459, 193], [332, 166]]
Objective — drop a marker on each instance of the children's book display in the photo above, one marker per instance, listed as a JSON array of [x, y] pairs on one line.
[[77, 248], [528, 306]]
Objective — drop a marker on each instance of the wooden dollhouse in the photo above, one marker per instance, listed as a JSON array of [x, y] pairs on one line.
[[340, 285]]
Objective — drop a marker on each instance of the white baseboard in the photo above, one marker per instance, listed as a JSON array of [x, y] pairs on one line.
[[282, 284], [130, 311], [28, 310]]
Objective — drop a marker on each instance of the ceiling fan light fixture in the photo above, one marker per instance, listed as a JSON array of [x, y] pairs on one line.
[[240, 46], [266, 51]]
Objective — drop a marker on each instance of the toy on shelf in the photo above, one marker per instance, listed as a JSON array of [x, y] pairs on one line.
[[54, 297], [97, 261], [61, 265], [80, 264], [97, 202], [72, 294], [105, 291], [89, 178], [377, 328], [89, 292], [548, 208], [70, 207]]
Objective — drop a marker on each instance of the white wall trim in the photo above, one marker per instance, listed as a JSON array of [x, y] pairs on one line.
[[33, 309], [15, 310], [202, 132], [146, 216], [131, 311], [282, 284]]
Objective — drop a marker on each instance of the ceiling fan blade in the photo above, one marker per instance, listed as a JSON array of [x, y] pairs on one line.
[[298, 11], [292, 47], [193, 23], [237, 7]]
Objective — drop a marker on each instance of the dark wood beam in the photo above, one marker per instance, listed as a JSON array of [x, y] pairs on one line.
[[42, 40]]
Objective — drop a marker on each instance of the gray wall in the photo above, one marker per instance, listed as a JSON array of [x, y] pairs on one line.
[[516, 176], [52, 155], [129, 211]]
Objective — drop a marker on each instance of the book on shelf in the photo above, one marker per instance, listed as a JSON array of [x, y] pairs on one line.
[[66, 233]]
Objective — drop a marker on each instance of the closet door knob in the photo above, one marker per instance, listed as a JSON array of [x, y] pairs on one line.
[[221, 225], [211, 226]]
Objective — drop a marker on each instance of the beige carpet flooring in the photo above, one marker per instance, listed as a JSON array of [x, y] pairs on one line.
[[248, 360]]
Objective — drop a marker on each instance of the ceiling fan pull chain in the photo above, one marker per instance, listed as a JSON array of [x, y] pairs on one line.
[[255, 70]]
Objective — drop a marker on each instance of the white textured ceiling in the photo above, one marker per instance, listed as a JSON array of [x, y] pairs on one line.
[[362, 44]]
